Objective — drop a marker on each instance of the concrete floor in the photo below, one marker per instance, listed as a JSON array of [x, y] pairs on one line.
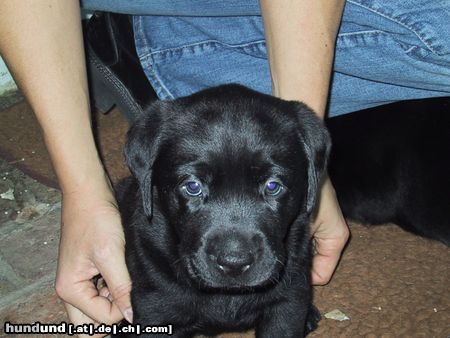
[[29, 236]]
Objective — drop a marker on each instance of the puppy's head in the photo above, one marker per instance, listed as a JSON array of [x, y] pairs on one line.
[[235, 173]]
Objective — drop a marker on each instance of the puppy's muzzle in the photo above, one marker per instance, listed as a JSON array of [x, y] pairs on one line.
[[232, 256], [233, 259]]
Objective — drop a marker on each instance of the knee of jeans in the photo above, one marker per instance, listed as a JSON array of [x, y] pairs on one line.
[[414, 23]]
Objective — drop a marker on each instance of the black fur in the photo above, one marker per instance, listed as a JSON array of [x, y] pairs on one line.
[[237, 256], [392, 164]]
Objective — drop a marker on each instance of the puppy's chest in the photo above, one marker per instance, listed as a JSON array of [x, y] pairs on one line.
[[217, 310], [228, 313]]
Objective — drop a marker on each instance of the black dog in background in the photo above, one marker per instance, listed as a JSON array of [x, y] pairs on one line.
[[391, 164], [217, 213]]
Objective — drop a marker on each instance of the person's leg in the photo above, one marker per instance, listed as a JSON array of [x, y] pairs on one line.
[[181, 55], [115, 73], [384, 53], [175, 7], [391, 51]]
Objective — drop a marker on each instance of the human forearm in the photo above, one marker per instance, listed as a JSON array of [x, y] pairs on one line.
[[42, 44], [300, 37]]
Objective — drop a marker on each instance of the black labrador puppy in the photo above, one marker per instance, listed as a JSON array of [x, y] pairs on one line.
[[217, 213]]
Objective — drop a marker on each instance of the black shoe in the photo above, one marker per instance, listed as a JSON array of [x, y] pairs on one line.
[[115, 73]]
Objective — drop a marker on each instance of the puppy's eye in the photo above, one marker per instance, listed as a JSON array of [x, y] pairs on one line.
[[273, 188], [193, 188]]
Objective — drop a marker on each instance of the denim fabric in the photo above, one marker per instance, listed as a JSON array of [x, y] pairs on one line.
[[386, 51], [176, 7], [390, 51]]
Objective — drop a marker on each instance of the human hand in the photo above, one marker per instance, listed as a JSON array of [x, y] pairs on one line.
[[330, 234], [92, 243]]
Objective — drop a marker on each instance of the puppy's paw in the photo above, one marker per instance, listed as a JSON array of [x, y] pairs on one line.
[[312, 319]]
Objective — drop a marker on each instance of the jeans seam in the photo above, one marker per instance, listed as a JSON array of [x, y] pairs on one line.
[[148, 56], [155, 75], [373, 31], [398, 22], [203, 43]]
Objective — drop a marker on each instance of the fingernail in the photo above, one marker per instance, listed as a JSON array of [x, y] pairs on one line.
[[128, 314]]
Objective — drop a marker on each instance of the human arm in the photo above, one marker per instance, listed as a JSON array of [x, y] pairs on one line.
[[300, 38], [41, 41]]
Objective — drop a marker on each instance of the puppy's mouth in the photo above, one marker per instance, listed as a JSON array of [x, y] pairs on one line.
[[260, 275]]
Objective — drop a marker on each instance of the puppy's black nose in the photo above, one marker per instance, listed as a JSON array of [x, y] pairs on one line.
[[235, 262], [232, 253]]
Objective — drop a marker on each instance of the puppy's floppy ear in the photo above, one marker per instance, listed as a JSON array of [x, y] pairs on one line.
[[142, 146], [316, 143]]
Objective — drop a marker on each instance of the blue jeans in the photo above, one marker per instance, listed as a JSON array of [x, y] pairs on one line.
[[386, 51]]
